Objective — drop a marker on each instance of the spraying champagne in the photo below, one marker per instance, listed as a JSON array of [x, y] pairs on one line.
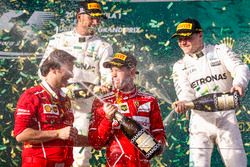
[[215, 102]]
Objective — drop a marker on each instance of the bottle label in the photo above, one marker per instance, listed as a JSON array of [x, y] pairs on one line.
[[152, 151], [225, 102], [144, 141]]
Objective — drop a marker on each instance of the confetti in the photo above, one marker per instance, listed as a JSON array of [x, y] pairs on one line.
[[2, 147], [170, 5], [150, 44]]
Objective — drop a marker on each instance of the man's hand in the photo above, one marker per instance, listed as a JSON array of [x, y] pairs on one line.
[[109, 110], [179, 107], [67, 133], [228, 41], [239, 89]]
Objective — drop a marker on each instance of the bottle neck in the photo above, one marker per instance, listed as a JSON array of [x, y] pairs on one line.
[[189, 105], [118, 116]]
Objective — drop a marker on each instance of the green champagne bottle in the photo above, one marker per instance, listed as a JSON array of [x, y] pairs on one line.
[[215, 102]]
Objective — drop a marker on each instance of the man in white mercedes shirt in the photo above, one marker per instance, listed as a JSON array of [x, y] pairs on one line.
[[90, 52], [209, 69]]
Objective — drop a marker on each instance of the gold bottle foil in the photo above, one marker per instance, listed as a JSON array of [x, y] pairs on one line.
[[225, 102]]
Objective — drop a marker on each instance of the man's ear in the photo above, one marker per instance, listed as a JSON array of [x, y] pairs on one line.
[[133, 71], [200, 34], [78, 17]]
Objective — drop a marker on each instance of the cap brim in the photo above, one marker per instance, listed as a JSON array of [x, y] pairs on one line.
[[182, 35], [95, 14], [174, 35], [106, 65], [98, 15], [109, 64]]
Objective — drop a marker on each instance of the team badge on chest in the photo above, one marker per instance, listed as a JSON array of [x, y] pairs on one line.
[[144, 107]]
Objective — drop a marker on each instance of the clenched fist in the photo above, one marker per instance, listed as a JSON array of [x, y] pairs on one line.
[[109, 110], [180, 107], [67, 133]]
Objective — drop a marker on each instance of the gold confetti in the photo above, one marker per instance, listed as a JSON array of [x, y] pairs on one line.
[[10, 107], [99, 155], [14, 88], [113, 8], [13, 154], [5, 141], [238, 112]]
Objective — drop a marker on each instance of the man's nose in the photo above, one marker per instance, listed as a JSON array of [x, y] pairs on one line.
[[70, 74], [114, 74], [95, 21], [182, 41]]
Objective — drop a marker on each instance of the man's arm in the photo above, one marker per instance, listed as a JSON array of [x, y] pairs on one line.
[[26, 127], [36, 136], [182, 87], [236, 67], [156, 124], [105, 73], [100, 126]]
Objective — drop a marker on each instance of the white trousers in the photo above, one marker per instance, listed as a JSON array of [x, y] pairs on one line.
[[82, 110], [221, 129]]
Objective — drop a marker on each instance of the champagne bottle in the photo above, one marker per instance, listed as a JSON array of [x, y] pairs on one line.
[[77, 90], [215, 102], [139, 136]]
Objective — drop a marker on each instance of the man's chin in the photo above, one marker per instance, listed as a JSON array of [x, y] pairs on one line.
[[64, 84], [91, 31], [187, 52], [117, 87]]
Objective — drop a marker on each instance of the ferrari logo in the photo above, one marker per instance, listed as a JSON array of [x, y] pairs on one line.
[[136, 104]]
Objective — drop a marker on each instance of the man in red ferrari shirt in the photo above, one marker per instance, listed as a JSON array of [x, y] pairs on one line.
[[43, 118], [104, 130]]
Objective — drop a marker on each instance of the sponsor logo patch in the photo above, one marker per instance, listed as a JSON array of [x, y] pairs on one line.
[[120, 56], [215, 63], [50, 109], [123, 108], [136, 103], [92, 6], [184, 26], [144, 107], [207, 79], [21, 111], [144, 121]]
